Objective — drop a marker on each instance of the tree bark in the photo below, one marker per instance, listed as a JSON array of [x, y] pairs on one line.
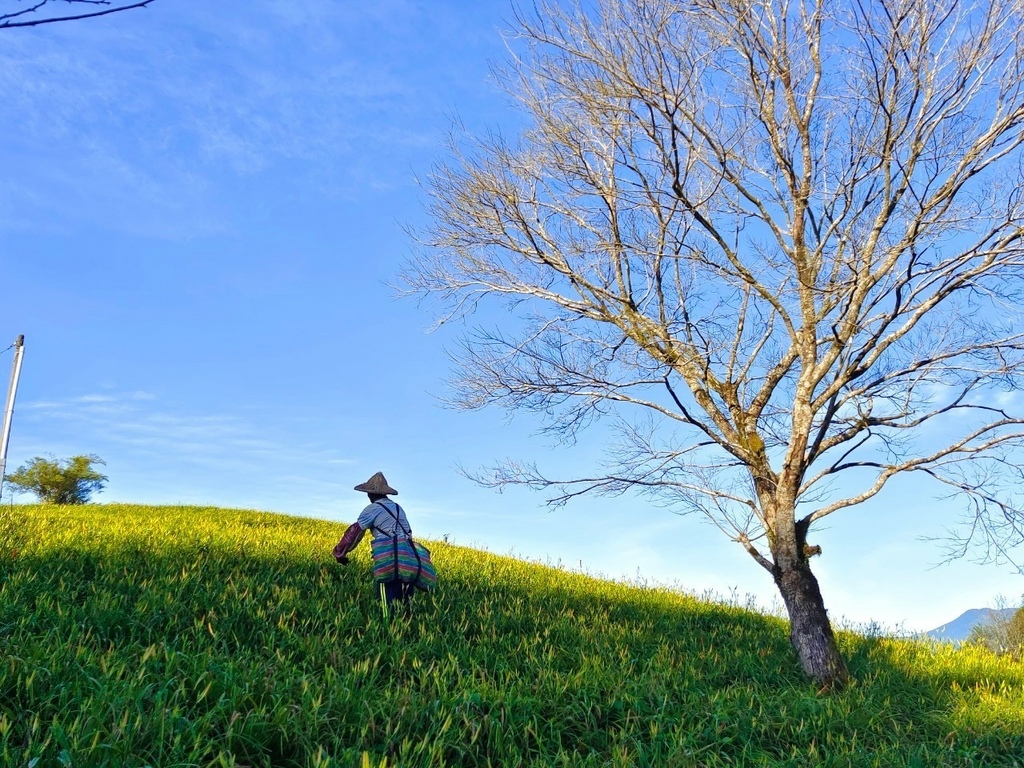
[[810, 629]]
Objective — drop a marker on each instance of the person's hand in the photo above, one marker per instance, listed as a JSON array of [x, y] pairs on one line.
[[341, 559]]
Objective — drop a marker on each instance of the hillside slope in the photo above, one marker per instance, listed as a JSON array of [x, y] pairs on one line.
[[137, 636]]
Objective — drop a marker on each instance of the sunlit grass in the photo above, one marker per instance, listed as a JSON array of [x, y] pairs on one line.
[[183, 636]]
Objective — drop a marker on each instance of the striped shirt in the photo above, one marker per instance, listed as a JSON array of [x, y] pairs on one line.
[[383, 525]]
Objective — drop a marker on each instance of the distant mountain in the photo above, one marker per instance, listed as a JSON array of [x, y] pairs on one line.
[[960, 628]]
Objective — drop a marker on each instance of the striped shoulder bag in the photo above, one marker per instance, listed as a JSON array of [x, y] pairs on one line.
[[402, 558]]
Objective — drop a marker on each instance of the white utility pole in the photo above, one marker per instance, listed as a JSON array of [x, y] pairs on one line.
[[12, 390]]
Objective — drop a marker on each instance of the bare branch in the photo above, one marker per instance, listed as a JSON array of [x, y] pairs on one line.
[[25, 18]]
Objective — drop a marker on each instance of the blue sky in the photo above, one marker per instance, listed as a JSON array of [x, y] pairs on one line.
[[201, 207]]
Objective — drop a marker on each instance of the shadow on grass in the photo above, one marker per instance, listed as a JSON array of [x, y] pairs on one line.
[[202, 651]]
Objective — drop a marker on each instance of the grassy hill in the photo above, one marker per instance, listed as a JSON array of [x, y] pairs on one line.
[[184, 636]]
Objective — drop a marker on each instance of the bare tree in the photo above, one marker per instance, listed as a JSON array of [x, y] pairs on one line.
[[1001, 631], [37, 12], [789, 232]]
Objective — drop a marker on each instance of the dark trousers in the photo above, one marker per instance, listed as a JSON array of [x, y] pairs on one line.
[[393, 590]]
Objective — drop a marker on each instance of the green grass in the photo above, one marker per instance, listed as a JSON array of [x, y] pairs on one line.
[[184, 636]]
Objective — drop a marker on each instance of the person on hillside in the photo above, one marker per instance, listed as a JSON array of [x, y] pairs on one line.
[[389, 525]]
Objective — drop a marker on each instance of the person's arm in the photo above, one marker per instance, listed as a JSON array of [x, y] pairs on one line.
[[353, 535]]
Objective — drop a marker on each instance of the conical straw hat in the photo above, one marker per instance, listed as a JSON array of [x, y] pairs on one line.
[[377, 484]]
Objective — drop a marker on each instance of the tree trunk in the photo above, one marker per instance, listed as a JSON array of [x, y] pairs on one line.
[[810, 630]]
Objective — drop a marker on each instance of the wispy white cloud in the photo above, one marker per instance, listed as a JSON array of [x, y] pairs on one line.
[[143, 117], [96, 399], [218, 458]]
